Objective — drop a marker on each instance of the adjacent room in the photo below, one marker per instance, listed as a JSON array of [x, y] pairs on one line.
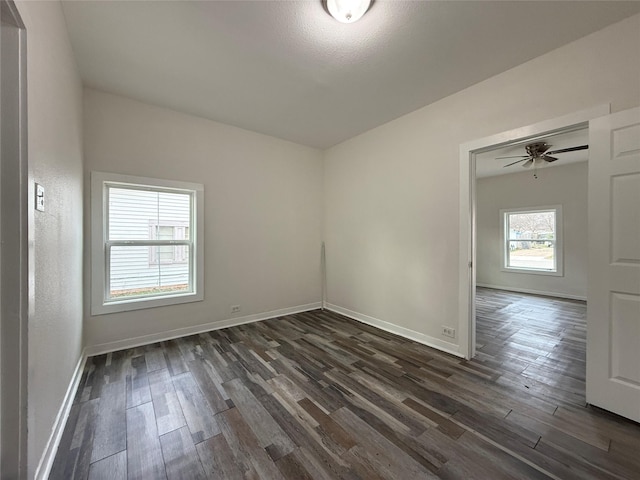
[[531, 204], [320, 239]]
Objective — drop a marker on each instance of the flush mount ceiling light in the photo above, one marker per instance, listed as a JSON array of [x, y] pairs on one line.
[[347, 11]]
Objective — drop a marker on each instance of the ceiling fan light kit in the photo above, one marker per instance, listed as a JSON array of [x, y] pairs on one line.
[[346, 11], [538, 155]]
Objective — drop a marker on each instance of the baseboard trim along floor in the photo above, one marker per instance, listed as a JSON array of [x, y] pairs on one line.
[[427, 340], [46, 461], [204, 327], [532, 292]]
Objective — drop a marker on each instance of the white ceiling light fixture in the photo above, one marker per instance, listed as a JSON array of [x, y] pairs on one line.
[[347, 11]]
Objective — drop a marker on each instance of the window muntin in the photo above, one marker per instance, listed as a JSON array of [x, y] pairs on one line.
[[531, 240], [146, 244]]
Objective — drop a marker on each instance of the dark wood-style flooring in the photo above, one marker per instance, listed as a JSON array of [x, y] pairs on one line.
[[319, 396]]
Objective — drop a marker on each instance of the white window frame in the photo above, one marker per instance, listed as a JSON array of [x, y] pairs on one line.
[[558, 270], [100, 302]]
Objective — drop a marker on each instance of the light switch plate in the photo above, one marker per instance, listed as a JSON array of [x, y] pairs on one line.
[[39, 197]]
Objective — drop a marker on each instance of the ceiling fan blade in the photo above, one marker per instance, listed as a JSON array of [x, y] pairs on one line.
[[513, 156], [570, 149], [548, 159], [528, 163], [517, 161]]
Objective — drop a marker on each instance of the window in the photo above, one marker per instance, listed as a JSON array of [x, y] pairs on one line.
[[147, 241], [532, 240]]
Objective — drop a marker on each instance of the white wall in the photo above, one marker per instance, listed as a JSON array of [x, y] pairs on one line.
[[392, 194], [55, 161], [263, 210], [562, 185]]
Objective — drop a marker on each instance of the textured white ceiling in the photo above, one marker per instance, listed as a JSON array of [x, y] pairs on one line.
[[487, 165], [287, 69]]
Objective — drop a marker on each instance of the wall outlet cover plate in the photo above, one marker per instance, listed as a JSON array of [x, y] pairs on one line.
[[39, 197]]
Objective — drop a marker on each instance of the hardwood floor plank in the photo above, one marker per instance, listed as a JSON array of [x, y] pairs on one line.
[[263, 425], [166, 404], [316, 469], [144, 456], [489, 462], [110, 468], [197, 412], [180, 457], [64, 448], [75, 461], [208, 386], [401, 438], [97, 375], [218, 459], [394, 410], [373, 449], [579, 470], [495, 428], [444, 424], [155, 359], [174, 358], [111, 426], [550, 425], [118, 365], [84, 391], [245, 446], [138, 391], [327, 424], [304, 434], [251, 363], [292, 467]]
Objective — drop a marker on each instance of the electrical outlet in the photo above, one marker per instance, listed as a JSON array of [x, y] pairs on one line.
[[235, 308], [448, 331]]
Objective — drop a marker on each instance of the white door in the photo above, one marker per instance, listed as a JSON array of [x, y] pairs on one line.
[[613, 296]]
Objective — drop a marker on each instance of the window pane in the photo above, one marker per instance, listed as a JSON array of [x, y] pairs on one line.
[[174, 208], [535, 225], [133, 275], [137, 214], [537, 254]]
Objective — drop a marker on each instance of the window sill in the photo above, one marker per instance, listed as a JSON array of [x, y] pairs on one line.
[[144, 303], [532, 271]]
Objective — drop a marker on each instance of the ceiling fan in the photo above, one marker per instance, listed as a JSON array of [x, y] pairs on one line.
[[537, 152]]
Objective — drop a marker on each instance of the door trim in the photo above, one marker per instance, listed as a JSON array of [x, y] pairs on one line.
[[15, 220], [467, 206]]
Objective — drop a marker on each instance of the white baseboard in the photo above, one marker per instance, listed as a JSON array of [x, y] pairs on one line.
[[533, 292], [50, 450], [206, 327], [433, 342]]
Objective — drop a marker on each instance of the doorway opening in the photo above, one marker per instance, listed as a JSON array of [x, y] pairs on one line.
[[469, 154], [532, 256]]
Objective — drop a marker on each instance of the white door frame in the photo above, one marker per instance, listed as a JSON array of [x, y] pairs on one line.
[[467, 258], [15, 220]]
